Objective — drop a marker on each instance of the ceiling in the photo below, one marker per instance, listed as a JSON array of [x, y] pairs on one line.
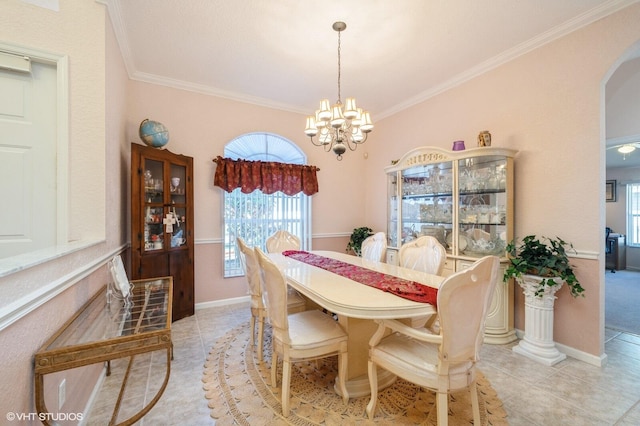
[[283, 54]]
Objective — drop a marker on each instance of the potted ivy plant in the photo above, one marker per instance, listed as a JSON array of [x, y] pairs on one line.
[[357, 237], [545, 258], [540, 265]]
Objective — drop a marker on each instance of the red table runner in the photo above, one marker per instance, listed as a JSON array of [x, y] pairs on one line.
[[400, 287]]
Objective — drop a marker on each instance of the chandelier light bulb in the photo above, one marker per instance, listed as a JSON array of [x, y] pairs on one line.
[[324, 114], [350, 109], [311, 129], [337, 118]]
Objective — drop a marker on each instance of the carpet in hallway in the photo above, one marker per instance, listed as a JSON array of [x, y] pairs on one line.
[[622, 301], [239, 392]]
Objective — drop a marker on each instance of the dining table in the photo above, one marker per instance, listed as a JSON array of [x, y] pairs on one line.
[[357, 304]]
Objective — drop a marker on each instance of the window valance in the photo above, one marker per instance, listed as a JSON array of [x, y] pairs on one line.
[[267, 176]]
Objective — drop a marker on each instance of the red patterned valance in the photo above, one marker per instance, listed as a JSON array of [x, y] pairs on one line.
[[267, 176], [400, 287]]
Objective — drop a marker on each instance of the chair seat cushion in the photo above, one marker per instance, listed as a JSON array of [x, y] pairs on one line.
[[416, 360], [313, 328]]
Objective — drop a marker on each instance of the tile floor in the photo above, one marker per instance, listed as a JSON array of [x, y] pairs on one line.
[[569, 393]]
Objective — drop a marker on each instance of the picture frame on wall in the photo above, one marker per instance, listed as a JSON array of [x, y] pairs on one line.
[[610, 191]]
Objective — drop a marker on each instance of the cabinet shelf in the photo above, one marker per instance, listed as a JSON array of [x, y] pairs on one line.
[[429, 195], [483, 192]]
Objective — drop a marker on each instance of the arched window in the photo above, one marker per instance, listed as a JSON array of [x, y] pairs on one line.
[[256, 216]]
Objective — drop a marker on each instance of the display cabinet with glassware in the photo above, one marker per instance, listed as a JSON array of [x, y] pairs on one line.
[[162, 237], [465, 200]]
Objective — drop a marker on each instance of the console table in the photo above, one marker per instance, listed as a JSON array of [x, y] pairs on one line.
[[104, 329]]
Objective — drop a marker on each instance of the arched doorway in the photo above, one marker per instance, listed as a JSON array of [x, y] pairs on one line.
[[622, 107]]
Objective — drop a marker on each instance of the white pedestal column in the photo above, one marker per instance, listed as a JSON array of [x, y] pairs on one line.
[[537, 343]]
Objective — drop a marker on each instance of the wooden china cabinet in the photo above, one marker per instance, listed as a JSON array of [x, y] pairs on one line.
[[162, 240]]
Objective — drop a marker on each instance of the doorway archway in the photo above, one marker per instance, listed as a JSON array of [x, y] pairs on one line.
[[621, 94]]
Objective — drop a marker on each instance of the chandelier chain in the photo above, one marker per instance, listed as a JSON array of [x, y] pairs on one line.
[[339, 74]]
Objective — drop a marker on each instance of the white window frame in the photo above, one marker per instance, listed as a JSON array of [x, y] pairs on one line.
[[633, 214], [293, 215]]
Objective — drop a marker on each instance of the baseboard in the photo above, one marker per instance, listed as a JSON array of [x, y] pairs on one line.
[[598, 361], [223, 302], [92, 398]]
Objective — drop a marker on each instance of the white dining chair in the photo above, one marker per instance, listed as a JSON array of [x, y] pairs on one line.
[[444, 362], [277, 243], [424, 254], [251, 268], [305, 335], [375, 247], [282, 240]]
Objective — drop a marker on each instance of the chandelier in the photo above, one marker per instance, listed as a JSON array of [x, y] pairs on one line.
[[339, 127]]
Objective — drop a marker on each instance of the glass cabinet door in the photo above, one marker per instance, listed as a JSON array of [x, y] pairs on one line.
[[427, 203], [165, 206], [177, 209], [392, 210], [482, 213], [153, 205]]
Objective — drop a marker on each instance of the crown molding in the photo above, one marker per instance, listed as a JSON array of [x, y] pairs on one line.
[[212, 91], [623, 140]]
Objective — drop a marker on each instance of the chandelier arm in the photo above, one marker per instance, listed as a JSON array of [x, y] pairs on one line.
[[327, 146], [364, 139], [314, 142], [350, 142]]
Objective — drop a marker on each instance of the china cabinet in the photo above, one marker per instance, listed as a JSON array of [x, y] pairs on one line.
[[464, 199], [162, 237]]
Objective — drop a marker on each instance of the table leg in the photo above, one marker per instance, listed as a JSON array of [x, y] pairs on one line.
[[360, 332]]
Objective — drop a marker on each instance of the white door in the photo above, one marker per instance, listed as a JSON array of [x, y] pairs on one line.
[[28, 138]]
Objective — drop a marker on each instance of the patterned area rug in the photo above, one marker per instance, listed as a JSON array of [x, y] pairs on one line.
[[239, 393]]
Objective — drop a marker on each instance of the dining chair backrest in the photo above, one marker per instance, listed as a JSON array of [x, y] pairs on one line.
[[375, 247], [251, 268], [444, 362], [274, 293], [424, 254], [282, 241], [464, 299]]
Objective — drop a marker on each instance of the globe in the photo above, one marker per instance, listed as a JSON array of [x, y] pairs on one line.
[[153, 133]]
